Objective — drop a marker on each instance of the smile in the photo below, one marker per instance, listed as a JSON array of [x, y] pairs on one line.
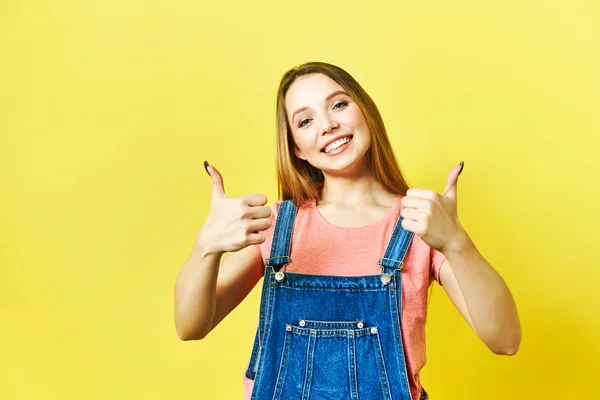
[[337, 145]]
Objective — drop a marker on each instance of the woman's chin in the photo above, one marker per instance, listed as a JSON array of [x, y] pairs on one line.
[[347, 166]]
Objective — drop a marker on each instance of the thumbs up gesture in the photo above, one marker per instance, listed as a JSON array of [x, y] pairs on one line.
[[233, 223], [432, 216]]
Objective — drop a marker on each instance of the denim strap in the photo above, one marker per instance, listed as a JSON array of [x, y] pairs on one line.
[[396, 249], [282, 236]]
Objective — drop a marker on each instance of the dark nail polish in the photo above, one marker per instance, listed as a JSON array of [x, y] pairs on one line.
[[462, 165], [206, 167]]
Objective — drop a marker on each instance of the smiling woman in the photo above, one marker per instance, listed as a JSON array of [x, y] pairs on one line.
[[346, 318], [317, 104], [330, 122]]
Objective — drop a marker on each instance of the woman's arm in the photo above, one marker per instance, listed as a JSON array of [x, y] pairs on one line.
[[472, 284], [481, 296], [207, 288]]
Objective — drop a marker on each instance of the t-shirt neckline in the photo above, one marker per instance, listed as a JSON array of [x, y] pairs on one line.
[[319, 217]]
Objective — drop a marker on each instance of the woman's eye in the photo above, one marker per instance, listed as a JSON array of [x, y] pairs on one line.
[[302, 123], [307, 120]]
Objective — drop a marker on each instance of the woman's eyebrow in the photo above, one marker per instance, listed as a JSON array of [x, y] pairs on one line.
[[329, 97]]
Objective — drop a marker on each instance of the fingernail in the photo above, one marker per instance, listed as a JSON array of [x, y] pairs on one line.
[[462, 165], [206, 167]]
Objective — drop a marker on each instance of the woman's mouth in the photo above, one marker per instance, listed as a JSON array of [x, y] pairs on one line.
[[338, 146]]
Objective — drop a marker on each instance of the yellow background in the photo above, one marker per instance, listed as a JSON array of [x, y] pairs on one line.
[[108, 109]]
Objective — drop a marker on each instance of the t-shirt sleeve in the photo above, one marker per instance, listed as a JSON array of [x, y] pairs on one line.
[[264, 247], [437, 259]]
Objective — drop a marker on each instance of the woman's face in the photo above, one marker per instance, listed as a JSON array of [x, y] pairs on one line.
[[328, 127]]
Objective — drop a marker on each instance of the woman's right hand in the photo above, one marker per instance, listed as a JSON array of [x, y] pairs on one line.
[[233, 223]]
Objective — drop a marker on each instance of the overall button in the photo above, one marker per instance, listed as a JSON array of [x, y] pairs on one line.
[[386, 279], [279, 276], [360, 324], [374, 330], [302, 323]]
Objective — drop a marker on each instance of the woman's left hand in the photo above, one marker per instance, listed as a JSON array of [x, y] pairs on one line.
[[433, 216]]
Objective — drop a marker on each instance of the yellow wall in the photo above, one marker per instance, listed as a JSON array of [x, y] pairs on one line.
[[108, 109]]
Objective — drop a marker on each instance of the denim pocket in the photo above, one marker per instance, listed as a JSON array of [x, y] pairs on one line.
[[332, 360]]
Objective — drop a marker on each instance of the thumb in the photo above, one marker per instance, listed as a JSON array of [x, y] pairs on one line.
[[452, 181], [218, 190]]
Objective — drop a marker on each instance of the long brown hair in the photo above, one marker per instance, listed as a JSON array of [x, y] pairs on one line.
[[301, 182]]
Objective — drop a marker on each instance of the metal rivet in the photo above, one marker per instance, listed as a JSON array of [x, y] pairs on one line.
[[386, 279], [288, 327], [302, 322], [279, 276], [360, 324], [374, 330]]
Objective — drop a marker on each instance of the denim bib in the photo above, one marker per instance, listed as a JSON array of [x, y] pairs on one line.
[[330, 337]]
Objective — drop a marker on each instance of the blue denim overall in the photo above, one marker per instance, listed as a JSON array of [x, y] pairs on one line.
[[329, 337]]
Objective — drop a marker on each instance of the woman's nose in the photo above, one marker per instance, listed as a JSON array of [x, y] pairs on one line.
[[329, 125]]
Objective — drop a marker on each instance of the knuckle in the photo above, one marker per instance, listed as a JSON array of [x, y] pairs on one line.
[[240, 241], [245, 212], [246, 227]]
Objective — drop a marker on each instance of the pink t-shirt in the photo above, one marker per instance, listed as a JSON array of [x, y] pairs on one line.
[[319, 247]]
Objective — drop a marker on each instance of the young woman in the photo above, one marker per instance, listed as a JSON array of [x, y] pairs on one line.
[[347, 257]]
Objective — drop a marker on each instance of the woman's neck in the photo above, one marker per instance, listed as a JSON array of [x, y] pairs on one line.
[[352, 192]]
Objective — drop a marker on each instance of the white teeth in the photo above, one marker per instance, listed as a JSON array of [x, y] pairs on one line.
[[336, 144]]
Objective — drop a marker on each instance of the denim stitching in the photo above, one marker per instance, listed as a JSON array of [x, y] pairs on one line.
[[352, 368], [287, 228], [332, 332], [275, 285], [385, 382], [329, 324], [310, 354], [282, 368], [397, 305], [281, 236], [275, 239]]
